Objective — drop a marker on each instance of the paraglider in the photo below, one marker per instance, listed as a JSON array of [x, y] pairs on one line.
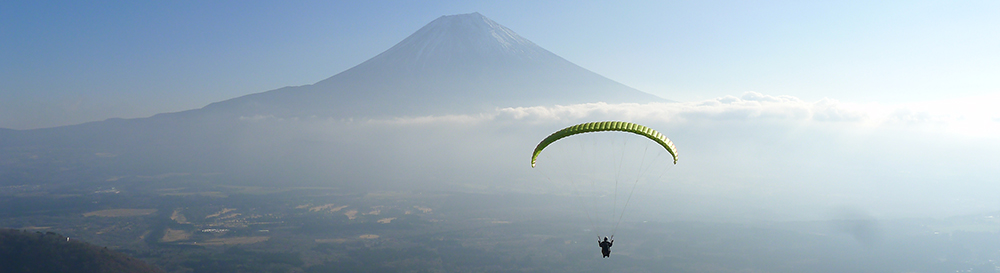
[[591, 127], [581, 167]]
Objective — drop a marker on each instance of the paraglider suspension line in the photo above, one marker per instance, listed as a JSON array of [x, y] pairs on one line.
[[635, 183]]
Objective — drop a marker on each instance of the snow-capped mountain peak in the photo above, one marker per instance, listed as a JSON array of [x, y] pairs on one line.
[[454, 64]]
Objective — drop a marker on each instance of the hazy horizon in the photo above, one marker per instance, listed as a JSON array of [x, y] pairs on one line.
[[77, 63]]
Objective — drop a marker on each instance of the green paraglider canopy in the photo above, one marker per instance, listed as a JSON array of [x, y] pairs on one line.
[[602, 126]]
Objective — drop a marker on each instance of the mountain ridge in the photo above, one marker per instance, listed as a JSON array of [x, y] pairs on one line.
[[453, 65]]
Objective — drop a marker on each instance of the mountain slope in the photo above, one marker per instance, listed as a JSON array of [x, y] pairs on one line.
[[455, 64]]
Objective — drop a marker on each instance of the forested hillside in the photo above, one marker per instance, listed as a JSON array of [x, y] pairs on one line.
[[25, 251]]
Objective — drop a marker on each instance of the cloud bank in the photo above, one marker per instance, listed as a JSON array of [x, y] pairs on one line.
[[751, 157]]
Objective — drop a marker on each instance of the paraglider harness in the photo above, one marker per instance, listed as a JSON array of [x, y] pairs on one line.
[[605, 245]]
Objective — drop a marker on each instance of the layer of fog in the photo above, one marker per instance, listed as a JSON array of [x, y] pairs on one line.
[[754, 157]]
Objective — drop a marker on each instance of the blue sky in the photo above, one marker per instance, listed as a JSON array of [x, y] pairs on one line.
[[67, 62]]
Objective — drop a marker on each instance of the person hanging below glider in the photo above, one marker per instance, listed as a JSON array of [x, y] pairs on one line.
[[605, 246], [609, 126]]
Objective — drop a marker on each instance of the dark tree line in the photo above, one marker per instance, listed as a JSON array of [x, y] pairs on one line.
[[26, 251]]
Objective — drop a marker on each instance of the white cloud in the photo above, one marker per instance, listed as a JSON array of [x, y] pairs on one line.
[[975, 116]]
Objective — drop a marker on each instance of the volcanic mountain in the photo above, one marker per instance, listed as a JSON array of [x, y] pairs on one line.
[[459, 64], [455, 64]]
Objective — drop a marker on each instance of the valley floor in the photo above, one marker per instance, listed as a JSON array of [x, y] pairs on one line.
[[316, 229]]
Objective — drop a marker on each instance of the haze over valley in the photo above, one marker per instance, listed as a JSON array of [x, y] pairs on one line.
[[416, 159]]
